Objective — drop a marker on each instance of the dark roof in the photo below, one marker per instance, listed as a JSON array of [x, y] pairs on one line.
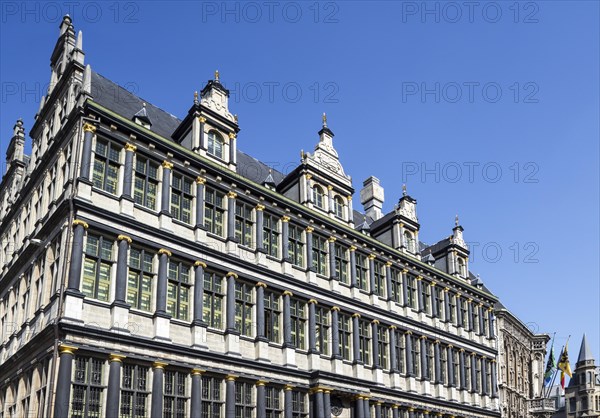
[[121, 101], [585, 352]]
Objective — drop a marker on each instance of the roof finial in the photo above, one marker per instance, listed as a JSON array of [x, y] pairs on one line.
[[324, 120], [196, 97], [144, 104], [216, 75], [404, 190], [456, 220]]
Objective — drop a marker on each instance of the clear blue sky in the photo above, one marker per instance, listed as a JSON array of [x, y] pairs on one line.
[[490, 112]]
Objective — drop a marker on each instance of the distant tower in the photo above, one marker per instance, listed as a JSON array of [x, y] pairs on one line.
[[580, 395]]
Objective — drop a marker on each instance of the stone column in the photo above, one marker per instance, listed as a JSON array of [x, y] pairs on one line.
[[232, 147], [312, 327], [372, 273], [287, 393], [378, 410], [330, 199], [473, 360], [459, 311], [494, 379], [352, 266], [200, 181], [230, 314], [367, 407], [388, 281], [113, 391], [484, 386], [375, 340], [327, 402], [86, 154], [433, 301], [309, 248], [395, 411], [260, 245], [424, 369], [287, 320], [196, 395], [231, 196], [405, 286], [356, 339], [230, 396], [335, 334], [319, 406], [158, 369], [121, 279], [393, 359], [202, 138], [77, 251], [261, 405], [410, 368], [161, 288], [128, 172], [260, 312], [450, 363], [332, 272], [199, 267], [62, 400], [447, 313], [481, 326], [438, 362], [463, 374], [411, 413], [359, 408], [165, 201], [285, 238]]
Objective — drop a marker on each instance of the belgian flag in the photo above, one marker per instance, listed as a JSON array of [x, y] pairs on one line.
[[564, 366]]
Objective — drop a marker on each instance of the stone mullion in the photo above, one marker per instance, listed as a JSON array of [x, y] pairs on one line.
[[285, 238], [459, 311], [484, 386], [230, 314], [371, 274], [393, 359], [461, 360], [482, 330], [231, 196], [161, 288], [450, 363], [473, 372], [469, 326], [312, 327], [356, 338], [494, 382], [410, 368], [287, 321], [420, 298], [352, 266], [309, 248], [433, 301], [375, 340], [438, 362], [388, 280], [260, 245], [424, 370], [492, 333], [447, 304], [332, 272], [405, 286]]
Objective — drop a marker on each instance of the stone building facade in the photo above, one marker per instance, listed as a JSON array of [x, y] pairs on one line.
[[149, 268]]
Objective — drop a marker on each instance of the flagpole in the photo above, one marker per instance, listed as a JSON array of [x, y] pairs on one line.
[[554, 377], [561, 354]]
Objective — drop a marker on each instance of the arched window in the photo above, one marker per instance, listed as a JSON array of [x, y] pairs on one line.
[[462, 268], [338, 206], [409, 242], [318, 197], [215, 144]]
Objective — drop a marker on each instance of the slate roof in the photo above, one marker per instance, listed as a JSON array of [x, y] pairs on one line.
[[585, 352]]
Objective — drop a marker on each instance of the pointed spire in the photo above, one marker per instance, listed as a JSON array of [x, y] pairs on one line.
[[585, 353], [79, 43], [65, 24], [87, 79], [18, 129]]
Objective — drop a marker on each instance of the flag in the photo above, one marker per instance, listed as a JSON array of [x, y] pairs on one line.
[[564, 366], [550, 366]]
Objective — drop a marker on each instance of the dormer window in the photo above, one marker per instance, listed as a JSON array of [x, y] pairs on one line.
[[338, 207], [318, 197], [462, 268], [409, 241], [215, 144]]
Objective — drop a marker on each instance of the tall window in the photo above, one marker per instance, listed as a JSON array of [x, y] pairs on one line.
[[379, 279], [212, 302], [400, 351], [174, 395], [96, 267], [341, 263], [475, 321], [455, 367], [318, 197], [383, 344], [438, 301], [411, 291], [338, 207], [214, 211], [462, 270], [271, 235], [364, 341], [467, 371], [322, 329], [145, 183], [486, 323], [53, 256], [88, 389], [26, 394], [443, 364], [243, 308], [396, 285], [134, 391], [416, 355], [298, 322], [243, 400], [409, 241], [452, 313], [215, 144], [299, 404], [362, 272], [212, 398], [273, 402], [178, 291], [139, 282], [243, 223], [319, 253], [272, 303], [465, 317], [425, 295], [296, 246], [430, 359], [105, 175], [181, 198], [345, 335], [40, 394]]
